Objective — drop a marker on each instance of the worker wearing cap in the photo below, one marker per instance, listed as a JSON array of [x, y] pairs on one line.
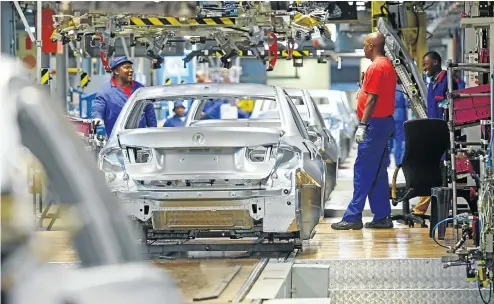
[[112, 97], [176, 120]]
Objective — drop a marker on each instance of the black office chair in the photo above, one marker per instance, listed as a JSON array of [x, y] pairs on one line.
[[426, 140]]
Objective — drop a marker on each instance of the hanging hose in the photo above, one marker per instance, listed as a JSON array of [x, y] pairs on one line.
[[441, 222], [482, 296]]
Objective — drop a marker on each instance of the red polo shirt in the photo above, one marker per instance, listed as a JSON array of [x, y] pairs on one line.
[[127, 90], [380, 79]]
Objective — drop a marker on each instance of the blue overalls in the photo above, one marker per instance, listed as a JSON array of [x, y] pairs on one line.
[[370, 174], [174, 121], [436, 93], [397, 142], [213, 110], [460, 83], [109, 103]]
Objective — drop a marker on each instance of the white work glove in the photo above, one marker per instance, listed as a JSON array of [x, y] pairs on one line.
[[360, 134]]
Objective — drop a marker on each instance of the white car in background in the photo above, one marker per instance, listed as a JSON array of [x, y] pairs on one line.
[[340, 119]]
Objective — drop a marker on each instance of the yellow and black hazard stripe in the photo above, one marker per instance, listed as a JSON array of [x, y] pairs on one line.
[[296, 53], [45, 76], [84, 80], [173, 21], [168, 81], [303, 53], [240, 53]]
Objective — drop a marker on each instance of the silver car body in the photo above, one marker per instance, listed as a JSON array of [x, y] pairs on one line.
[[323, 138], [319, 134], [333, 107], [263, 177]]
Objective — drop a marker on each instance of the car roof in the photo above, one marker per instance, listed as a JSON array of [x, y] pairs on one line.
[[207, 89]]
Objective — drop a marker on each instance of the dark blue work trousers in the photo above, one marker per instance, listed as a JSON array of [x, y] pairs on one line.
[[370, 175]]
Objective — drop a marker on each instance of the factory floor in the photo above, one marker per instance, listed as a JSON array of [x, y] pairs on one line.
[[203, 274]]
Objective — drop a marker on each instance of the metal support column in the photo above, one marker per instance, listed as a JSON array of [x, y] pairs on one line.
[[61, 78], [78, 60], [452, 147], [39, 29], [5, 18]]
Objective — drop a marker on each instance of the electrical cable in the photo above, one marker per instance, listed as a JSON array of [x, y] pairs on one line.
[[482, 296], [434, 232], [441, 222], [429, 6]]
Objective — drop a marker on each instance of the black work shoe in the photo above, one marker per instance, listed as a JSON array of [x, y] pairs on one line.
[[385, 223], [343, 225]]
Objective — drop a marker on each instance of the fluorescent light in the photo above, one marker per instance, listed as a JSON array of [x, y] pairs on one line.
[[360, 8], [361, 3]]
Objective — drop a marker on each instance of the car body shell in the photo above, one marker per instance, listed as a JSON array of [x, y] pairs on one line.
[[263, 178], [334, 108], [319, 134]]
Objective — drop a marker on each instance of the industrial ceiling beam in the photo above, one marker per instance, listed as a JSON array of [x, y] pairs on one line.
[[441, 14], [24, 21]]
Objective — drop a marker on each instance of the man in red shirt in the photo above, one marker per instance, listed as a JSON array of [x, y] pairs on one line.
[[376, 104]]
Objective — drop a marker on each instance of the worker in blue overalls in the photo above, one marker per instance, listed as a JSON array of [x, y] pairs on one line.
[[459, 82], [438, 85], [177, 119], [111, 98], [375, 108], [397, 142]]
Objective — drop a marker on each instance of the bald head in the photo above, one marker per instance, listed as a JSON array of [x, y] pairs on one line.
[[374, 45], [201, 77]]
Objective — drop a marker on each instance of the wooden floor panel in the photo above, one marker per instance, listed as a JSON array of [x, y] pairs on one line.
[[399, 242], [197, 277]]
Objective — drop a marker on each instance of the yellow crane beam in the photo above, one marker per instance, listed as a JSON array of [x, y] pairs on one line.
[[414, 36]]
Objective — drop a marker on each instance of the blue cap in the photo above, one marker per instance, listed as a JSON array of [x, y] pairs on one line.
[[118, 61], [178, 104]]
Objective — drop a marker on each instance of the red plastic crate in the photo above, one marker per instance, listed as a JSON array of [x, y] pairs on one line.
[[80, 125], [472, 109], [463, 166]]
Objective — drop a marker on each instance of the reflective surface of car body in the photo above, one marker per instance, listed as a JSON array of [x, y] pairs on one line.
[[250, 177], [318, 132], [333, 106]]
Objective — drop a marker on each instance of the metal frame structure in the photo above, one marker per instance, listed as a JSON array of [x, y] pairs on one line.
[[479, 67], [39, 27]]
